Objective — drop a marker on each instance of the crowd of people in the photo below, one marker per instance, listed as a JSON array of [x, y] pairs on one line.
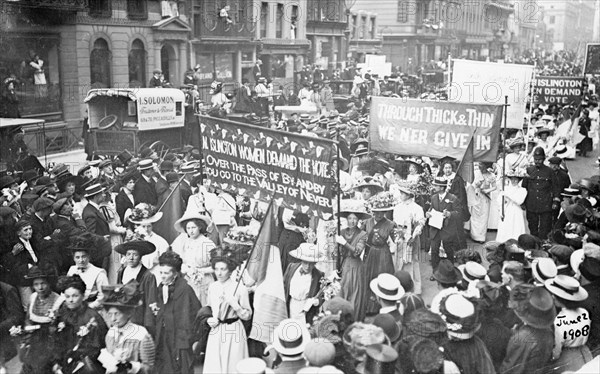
[[136, 263]]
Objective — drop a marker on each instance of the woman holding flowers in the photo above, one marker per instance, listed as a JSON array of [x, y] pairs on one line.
[[380, 243], [194, 248], [352, 243], [80, 330]]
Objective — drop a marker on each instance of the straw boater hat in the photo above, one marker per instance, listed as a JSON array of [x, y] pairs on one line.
[[533, 305], [516, 142], [94, 189], [145, 164], [307, 252], [543, 269], [143, 247], [566, 287], [122, 295], [290, 337], [440, 182], [188, 215], [387, 287], [472, 271], [252, 365]]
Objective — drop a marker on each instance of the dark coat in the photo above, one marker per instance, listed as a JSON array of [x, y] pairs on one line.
[[562, 181], [122, 203], [529, 350], [176, 318], [11, 314], [451, 224], [41, 229], [18, 264], [155, 82], [147, 285], [540, 185], [161, 185], [315, 285], [95, 221], [243, 102], [186, 192], [457, 188], [145, 192]]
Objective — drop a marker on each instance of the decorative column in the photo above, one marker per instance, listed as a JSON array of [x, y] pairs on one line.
[[157, 64], [182, 62]]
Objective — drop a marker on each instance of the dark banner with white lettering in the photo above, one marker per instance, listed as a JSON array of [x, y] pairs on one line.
[[558, 90], [262, 163], [435, 129]]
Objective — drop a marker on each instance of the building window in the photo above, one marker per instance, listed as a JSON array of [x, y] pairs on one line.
[[279, 22], [264, 19], [136, 9], [552, 19], [403, 11], [137, 64], [100, 8], [373, 28], [353, 26], [363, 27], [100, 64]]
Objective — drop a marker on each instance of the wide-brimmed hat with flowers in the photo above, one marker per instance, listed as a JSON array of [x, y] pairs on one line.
[[243, 235], [370, 182], [143, 213], [351, 206], [381, 202], [307, 252]]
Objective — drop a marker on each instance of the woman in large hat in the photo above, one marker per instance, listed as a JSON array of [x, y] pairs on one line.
[[514, 222], [133, 269], [463, 346], [83, 248], [44, 303], [194, 248], [380, 235], [368, 187], [410, 218], [352, 243], [80, 331], [572, 324], [143, 217], [227, 342], [130, 344]]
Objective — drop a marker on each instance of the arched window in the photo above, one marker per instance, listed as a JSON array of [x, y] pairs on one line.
[[137, 64], [100, 64]]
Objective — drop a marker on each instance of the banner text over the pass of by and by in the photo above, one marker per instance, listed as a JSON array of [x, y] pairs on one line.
[[263, 163]]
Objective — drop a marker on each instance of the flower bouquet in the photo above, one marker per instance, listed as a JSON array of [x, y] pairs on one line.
[[244, 235], [381, 202], [330, 287], [144, 213]]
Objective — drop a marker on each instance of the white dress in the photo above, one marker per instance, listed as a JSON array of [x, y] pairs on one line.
[[515, 221], [195, 254], [227, 342]]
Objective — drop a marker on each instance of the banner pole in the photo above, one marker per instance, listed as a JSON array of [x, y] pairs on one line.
[[338, 197], [504, 152], [201, 145], [171, 193], [531, 96]]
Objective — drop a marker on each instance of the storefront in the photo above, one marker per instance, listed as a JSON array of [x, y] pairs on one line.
[[33, 59]]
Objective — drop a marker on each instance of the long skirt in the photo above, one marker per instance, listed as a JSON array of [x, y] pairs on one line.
[[572, 359], [172, 360], [353, 285], [379, 260], [480, 212], [413, 267], [227, 345]]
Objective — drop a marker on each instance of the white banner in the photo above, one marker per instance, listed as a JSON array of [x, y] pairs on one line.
[[160, 108], [477, 82]]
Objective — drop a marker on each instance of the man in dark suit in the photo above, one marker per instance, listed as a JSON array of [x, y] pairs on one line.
[[44, 229], [145, 187], [446, 204], [11, 314], [95, 221], [302, 276], [161, 182], [186, 186], [70, 225], [388, 290], [242, 96]]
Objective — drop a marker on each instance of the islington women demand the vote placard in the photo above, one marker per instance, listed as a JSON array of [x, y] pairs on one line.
[[435, 129], [263, 164]]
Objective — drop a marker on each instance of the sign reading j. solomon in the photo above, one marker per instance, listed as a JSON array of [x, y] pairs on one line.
[[435, 129], [558, 90], [264, 164]]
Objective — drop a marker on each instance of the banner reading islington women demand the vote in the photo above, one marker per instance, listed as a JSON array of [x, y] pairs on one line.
[[262, 163], [434, 129]]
